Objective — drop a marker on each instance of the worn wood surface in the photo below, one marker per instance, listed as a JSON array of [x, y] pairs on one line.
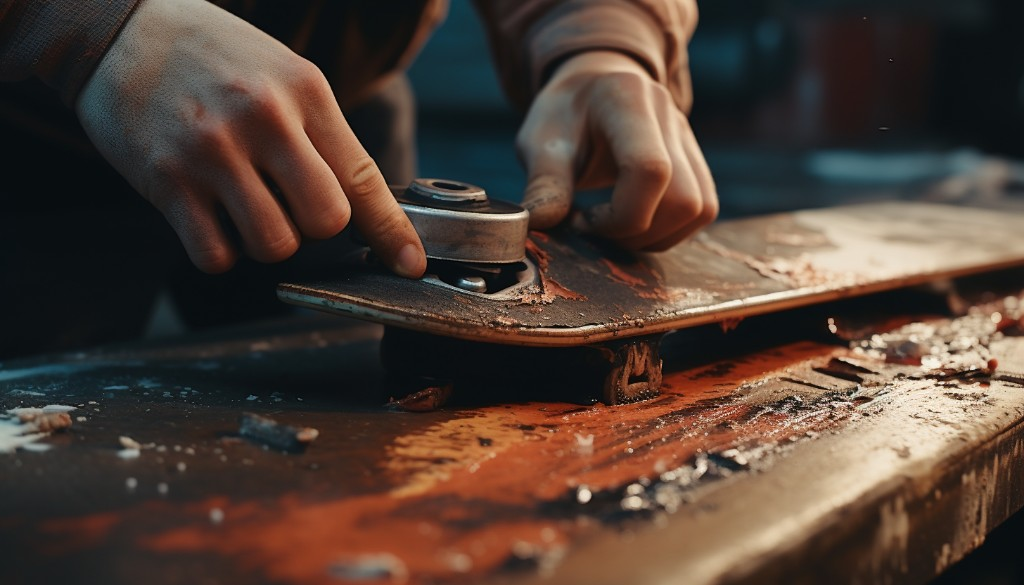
[[588, 293], [764, 460]]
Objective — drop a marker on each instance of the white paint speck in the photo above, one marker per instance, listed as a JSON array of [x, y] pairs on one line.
[[583, 494], [129, 443]]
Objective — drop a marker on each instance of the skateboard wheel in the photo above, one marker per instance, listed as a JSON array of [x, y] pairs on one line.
[[457, 221]]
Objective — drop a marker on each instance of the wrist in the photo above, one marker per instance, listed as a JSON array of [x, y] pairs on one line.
[[595, 62]]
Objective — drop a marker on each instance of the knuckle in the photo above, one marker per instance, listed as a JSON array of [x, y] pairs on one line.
[[255, 98], [391, 224], [262, 102], [687, 208], [206, 252], [545, 217], [651, 169], [275, 249], [308, 78], [630, 81], [327, 223], [211, 135], [212, 259], [365, 180], [622, 86]]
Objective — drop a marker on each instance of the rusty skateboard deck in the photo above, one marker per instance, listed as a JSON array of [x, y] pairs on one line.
[[572, 291]]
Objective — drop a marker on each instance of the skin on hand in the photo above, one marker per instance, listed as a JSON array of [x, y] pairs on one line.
[[200, 111], [602, 121]]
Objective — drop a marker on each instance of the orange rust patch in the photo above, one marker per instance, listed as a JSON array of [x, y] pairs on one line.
[[646, 283], [619, 274], [730, 324], [66, 536], [461, 499], [550, 288]]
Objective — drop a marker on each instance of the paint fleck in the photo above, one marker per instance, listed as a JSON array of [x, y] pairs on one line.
[[583, 494]]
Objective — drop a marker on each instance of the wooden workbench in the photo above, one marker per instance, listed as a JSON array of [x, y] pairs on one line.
[[777, 452]]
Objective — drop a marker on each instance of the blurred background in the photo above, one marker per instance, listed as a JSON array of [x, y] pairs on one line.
[[798, 103]]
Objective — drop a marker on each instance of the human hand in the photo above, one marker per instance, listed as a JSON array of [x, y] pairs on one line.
[[199, 111], [602, 120]]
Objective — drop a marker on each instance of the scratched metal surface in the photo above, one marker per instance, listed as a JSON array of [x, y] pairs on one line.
[[764, 460], [733, 270]]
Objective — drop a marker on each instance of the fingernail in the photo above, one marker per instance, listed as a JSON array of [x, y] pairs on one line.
[[410, 262]]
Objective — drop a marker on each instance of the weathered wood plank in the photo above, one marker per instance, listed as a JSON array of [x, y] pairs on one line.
[[767, 464]]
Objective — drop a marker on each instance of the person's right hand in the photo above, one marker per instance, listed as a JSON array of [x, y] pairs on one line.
[[200, 111]]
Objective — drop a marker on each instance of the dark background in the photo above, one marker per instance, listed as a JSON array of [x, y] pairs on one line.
[[798, 104]]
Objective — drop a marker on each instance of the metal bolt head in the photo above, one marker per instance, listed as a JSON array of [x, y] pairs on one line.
[[448, 190], [472, 283]]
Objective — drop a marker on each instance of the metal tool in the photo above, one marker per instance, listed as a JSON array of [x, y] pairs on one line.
[[458, 222]]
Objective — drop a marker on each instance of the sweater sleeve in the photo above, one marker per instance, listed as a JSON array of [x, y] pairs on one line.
[[529, 38], [58, 41]]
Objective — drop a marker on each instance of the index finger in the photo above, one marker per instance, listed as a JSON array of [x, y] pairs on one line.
[[375, 212]]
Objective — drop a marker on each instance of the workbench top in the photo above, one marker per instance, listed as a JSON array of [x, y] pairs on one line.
[[777, 452]]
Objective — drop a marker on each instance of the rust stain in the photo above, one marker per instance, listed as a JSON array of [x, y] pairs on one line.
[[620, 275], [550, 289], [468, 496], [454, 506], [423, 460], [646, 283], [540, 236], [728, 325], [65, 536]]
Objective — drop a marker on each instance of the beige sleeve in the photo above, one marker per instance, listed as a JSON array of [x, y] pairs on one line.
[[58, 41], [529, 38]]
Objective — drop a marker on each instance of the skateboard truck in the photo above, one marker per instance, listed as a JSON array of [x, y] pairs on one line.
[[473, 243], [477, 245], [458, 222], [427, 366]]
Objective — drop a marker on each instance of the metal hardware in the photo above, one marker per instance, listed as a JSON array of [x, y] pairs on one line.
[[458, 222], [475, 284], [613, 372], [450, 191]]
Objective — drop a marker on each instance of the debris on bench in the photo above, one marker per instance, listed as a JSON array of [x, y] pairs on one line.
[[269, 432]]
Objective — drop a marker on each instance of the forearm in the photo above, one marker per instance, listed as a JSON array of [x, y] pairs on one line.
[[530, 38], [58, 41]]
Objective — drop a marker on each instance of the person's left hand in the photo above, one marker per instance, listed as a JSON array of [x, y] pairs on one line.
[[600, 121]]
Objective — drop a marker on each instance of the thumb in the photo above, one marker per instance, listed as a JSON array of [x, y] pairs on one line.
[[550, 182]]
